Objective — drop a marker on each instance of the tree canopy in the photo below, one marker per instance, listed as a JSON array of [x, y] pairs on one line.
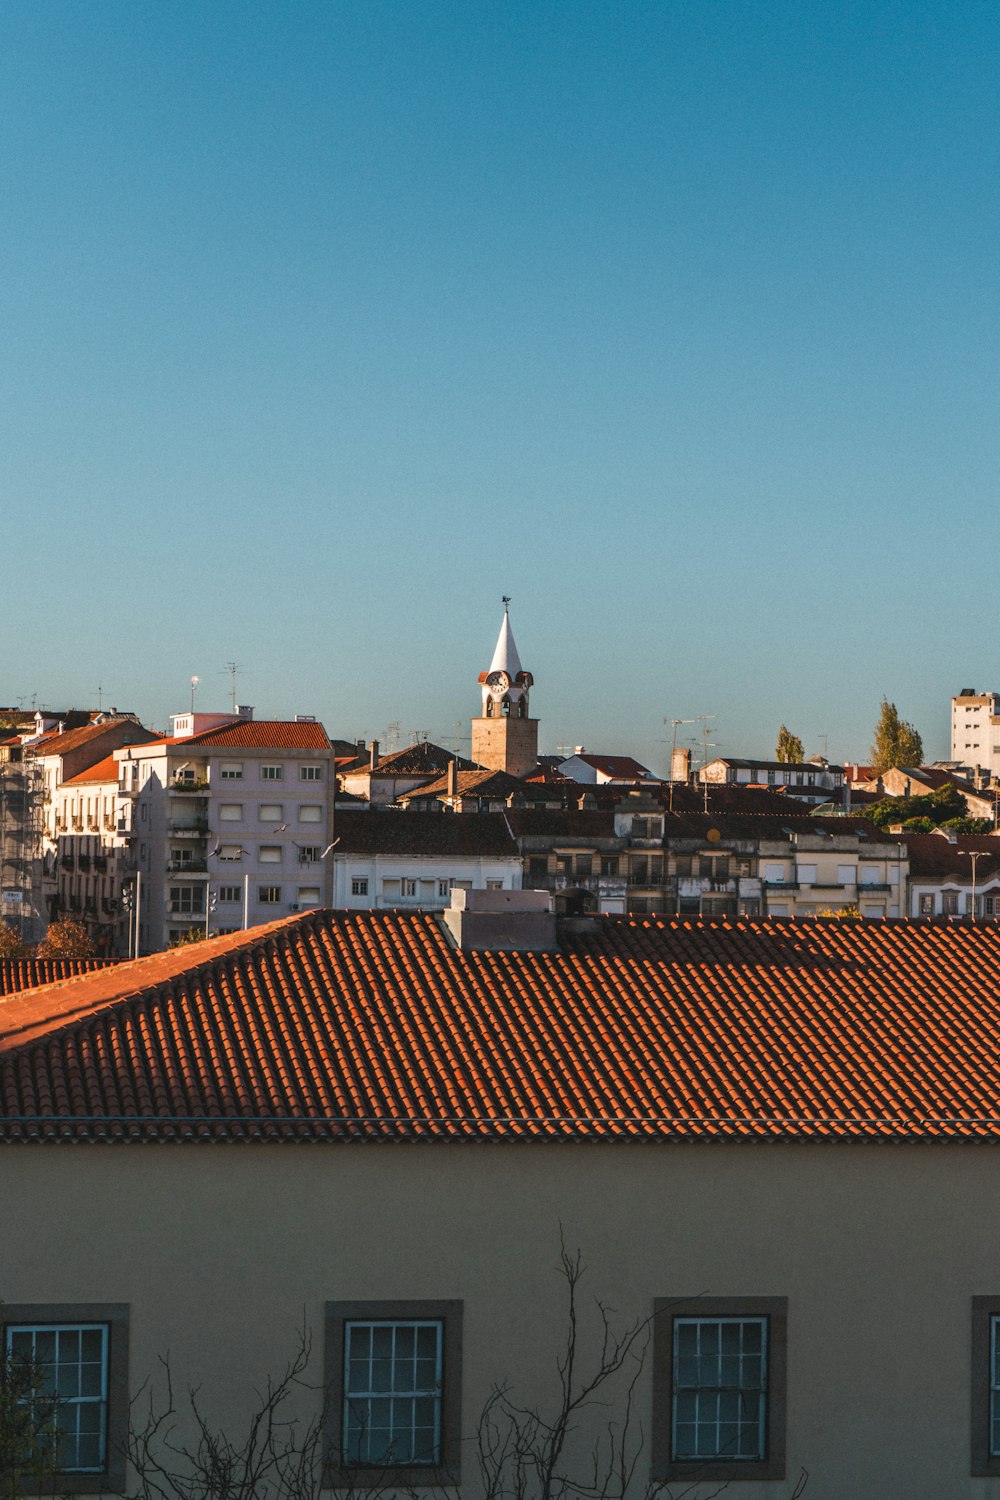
[[897, 743], [65, 939], [11, 943], [789, 747]]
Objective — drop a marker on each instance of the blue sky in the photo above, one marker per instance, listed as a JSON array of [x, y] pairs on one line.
[[325, 325]]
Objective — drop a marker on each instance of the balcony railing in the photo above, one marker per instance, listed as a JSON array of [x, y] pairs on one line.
[[187, 867], [199, 787], [196, 829]]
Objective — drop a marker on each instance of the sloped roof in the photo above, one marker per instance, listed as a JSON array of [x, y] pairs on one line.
[[27, 973], [934, 854], [481, 782], [263, 734], [622, 767], [753, 826], [417, 834], [101, 770], [53, 743], [369, 1026], [423, 758]]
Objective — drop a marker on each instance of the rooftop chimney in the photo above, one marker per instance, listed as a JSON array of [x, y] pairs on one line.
[[502, 921], [373, 755], [244, 710], [452, 784]]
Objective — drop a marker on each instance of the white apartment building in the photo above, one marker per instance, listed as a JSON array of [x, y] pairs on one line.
[[416, 859], [975, 730], [89, 862], [230, 823]]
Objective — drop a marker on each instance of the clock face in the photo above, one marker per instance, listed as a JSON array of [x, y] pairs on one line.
[[498, 682]]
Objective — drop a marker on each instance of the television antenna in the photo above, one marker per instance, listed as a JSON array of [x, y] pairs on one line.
[[231, 669]]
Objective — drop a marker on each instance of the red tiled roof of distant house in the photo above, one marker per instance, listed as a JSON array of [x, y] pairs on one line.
[[371, 1026], [621, 767], [935, 854], [423, 758], [497, 785], [62, 744], [102, 770], [263, 734], [422, 835]]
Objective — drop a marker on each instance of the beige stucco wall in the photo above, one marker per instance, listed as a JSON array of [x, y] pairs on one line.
[[219, 1250]]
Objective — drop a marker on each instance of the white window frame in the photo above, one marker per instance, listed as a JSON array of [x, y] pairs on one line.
[[359, 885], [705, 1396], [270, 812], [230, 895], [310, 773], [230, 812], [272, 773], [72, 1407], [364, 1402], [231, 770]]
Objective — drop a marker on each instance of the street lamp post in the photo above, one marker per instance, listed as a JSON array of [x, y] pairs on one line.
[[974, 855]]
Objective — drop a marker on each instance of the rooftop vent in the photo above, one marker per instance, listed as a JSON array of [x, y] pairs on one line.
[[502, 921]]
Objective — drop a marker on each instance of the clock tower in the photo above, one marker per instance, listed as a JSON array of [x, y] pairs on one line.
[[504, 738]]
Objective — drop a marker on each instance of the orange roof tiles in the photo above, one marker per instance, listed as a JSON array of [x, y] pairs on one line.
[[370, 1026], [264, 734], [103, 770]]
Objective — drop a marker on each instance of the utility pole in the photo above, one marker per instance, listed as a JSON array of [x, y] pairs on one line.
[[675, 724]]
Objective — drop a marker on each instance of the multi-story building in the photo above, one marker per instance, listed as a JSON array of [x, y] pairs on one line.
[[953, 875], [975, 730], [811, 780], [406, 860], [230, 823], [90, 864]]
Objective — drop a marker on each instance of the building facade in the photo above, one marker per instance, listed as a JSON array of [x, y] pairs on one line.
[[227, 825], [770, 1144]]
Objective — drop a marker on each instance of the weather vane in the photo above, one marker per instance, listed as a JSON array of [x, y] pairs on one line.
[[506, 600]]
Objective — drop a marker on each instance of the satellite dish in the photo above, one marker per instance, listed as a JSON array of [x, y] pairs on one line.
[[713, 835]]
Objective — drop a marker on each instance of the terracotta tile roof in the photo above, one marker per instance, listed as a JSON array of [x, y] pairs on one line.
[[622, 767], [934, 854], [753, 826], [102, 770], [420, 759], [559, 822], [481, 783], [370, 1026], [27, 973], [264, 734], [62, 744], [424, 834]]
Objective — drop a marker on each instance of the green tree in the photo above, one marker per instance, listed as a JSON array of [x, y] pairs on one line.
[[789, 747], [897, 743], [29, 1431]]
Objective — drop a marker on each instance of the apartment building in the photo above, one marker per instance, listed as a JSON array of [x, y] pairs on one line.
[[975, 730], [229, 822], [811, 781], [410, 860], [89, 866]]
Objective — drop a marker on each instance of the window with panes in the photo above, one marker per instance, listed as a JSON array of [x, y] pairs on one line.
[[720, 1385], [719, 1388], [70, 1364], [392, 1393]]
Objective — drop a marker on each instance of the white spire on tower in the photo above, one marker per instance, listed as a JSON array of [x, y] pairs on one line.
[[505, 657]]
